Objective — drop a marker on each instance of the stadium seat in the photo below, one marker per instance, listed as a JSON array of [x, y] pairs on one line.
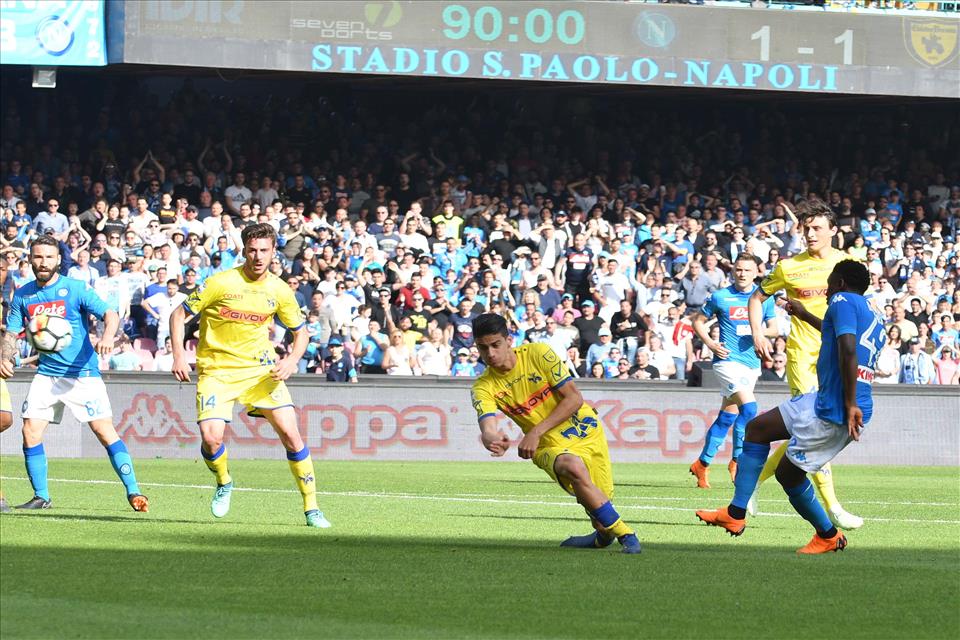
[[190, 349], [146, 360], [145, 344]]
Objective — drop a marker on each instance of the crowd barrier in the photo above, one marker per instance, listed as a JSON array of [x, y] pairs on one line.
[[391, 418]]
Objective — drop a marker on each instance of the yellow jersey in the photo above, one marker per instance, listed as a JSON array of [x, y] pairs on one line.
[[526, 395], [236, 315], [804, 278]]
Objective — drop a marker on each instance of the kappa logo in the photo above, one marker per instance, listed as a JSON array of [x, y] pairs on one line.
[[307, 479], [152, 418], [534, 378], [932, 43]]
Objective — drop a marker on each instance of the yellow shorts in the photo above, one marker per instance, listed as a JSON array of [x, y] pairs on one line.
[[254, 388], [802, 373], [5, 405], [595, 455]]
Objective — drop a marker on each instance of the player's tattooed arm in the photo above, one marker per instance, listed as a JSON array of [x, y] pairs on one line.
[[8, 350]]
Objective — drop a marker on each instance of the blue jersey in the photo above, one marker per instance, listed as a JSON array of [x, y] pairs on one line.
[[848, 314], [70, 299], [729, 307]]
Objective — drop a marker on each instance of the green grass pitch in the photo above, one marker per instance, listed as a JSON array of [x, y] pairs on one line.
[[448, 550]]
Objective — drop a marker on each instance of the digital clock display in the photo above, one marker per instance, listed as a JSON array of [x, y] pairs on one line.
[[537, 26]]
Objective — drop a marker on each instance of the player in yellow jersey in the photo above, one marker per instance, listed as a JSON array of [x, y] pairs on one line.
[[236, 362], [562, 434], [804, 278]]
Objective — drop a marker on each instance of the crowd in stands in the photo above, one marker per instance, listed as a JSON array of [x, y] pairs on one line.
[[596, 224]]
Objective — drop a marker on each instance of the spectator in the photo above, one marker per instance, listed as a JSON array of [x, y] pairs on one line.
[[398, 359], [433, 357], [126, 359], [598, 352], [643, 370], [338, 365], [947, 363], [163, 359], [778, 370], [916, 366]]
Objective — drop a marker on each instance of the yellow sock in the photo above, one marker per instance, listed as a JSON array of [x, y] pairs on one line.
[[619, 528], [217, 463], [771, 465], [823, 483], [301, 466]]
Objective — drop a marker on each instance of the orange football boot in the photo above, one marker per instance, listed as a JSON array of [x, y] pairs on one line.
[[700, 470], [139, 502], [721, 518], [824, 545]]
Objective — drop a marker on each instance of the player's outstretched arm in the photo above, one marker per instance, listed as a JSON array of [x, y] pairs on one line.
[[494, 440], [8, 347], [755, 312], [847, 349], [570, 402], [700, 328], [181, 369], [796, 308], [287, 365], [111, 322]]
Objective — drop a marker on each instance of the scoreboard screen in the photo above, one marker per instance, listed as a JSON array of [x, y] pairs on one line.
[[52, 33]]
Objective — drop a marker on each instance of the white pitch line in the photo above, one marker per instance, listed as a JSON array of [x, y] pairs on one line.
[[474, 500]]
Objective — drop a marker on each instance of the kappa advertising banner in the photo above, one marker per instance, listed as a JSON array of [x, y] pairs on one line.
[[585, 42], [52, 33], [434, 420]]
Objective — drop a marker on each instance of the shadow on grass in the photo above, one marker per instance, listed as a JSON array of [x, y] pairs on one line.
[[582, 520], [247, 584]]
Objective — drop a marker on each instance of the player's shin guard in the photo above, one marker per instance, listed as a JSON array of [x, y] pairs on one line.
[[748, 411], [217, 463], [35, 459], [823, 483], [716, 435], [123, 465], [301, 466], [804, 500], [771, 467], [610, 520], [748, 471]]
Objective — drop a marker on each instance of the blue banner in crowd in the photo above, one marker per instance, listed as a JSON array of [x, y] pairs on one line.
[[52, 34]]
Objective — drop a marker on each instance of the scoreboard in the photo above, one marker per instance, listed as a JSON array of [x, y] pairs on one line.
[[574, 41], [52, 33]]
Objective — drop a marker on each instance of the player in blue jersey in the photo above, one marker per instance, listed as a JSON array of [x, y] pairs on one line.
[[734, 362], [819, 425], [70, 377]]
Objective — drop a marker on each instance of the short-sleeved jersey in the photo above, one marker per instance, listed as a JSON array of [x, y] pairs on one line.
[[848, 314], [729, 307], [804, 278], [69, 299], [526, 394], [236, 315]]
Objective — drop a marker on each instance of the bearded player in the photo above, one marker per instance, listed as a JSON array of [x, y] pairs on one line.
[[562, 434], [236, 362], [804, 278], [68, 378]]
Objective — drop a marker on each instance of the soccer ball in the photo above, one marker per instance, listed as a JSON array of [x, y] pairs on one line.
[[50, 334]]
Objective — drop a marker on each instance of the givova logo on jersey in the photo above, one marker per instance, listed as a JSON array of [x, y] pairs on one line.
[[51, 308]]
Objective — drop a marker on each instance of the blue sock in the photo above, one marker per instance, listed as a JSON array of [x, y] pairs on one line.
[[804, 500], [748, 412], [748, 472], [605, 514], [123, 465], [35, 460], [716, 434]]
